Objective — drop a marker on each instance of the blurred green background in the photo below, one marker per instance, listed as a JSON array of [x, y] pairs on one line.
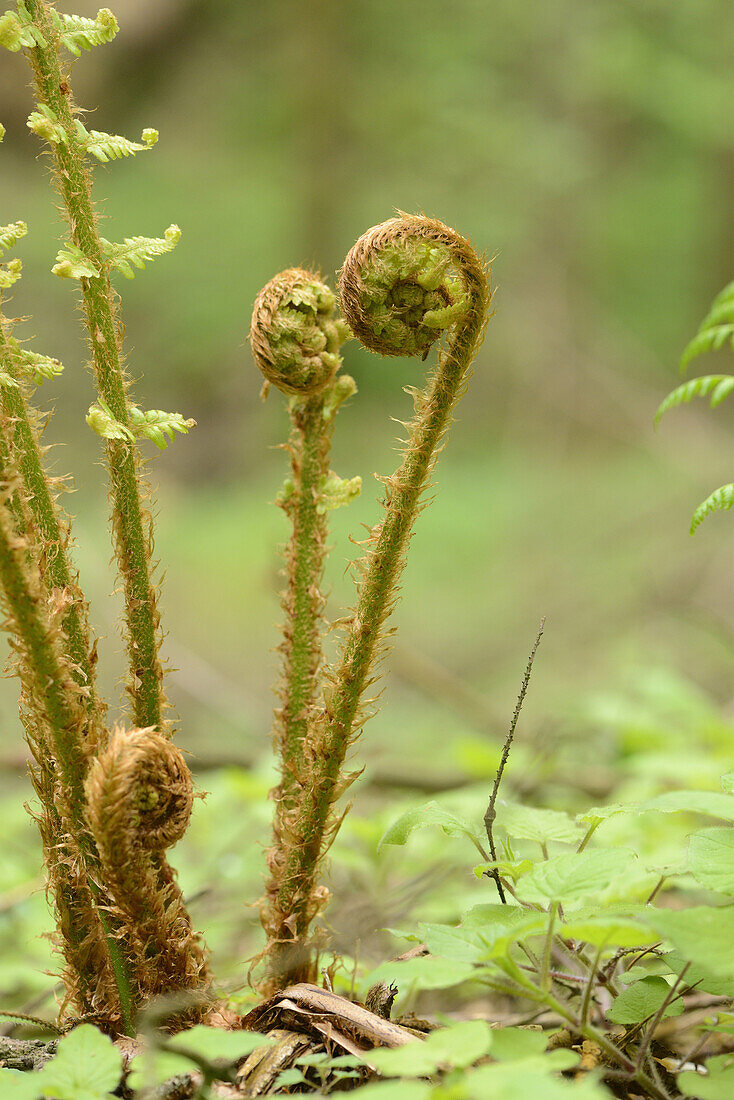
[[588, 148]]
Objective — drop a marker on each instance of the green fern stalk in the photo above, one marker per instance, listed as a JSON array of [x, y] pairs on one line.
[[130, 522], [49, 533], [295, 340], [402, 285], [54, 711]]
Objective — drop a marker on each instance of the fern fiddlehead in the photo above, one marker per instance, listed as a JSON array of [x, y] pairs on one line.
[[404, 284], [140, 796], [295, 340]]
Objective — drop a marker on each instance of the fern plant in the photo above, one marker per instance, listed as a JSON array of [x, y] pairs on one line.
[[715, 331], [112, 801]]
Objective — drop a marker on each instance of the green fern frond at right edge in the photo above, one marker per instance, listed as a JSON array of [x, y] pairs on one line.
[[716, 330], [720, 500]]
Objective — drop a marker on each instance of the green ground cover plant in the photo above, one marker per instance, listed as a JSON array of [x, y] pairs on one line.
[[587, 933]]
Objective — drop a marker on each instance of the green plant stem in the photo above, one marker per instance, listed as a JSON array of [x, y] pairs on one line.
[[303, 601], [132, 539], [583, 1027], [52, 539], [297, 901], [53, 694]]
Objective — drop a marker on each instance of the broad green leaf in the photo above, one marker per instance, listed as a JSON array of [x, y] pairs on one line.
[[704, 935], [704, 978], [216, 1044], [213, 1043], [424, 972], [716, 1084], [528, 1079], [727, 782], [19, 1086], [511, 1043], [575, 875], [421, 817], [641, 1000], [152, 1067], [450, 942], [396, 1090], [531, 823], [711, 858], [712, 803], [457, 1046], [608, 932], [597, 814], [88, 1066]]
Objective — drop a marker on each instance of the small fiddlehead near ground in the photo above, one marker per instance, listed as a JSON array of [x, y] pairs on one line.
[[140, 796]]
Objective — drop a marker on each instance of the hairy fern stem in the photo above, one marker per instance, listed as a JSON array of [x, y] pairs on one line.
[[403, 283], [131, 522]]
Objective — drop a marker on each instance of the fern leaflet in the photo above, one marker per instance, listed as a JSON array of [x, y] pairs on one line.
[[716, 329], [79, 33], [137, 251], [720, 500], [11, 234], [113, 146], [718, 385]]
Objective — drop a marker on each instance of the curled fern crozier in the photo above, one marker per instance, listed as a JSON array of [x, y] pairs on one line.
[[140, 796], [294, 335]]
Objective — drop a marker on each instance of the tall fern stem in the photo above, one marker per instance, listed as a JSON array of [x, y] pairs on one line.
[[55, 719], [37, 512], [131, 523], [295, 340], [402, 285]]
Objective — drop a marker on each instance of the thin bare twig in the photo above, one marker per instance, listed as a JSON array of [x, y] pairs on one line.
[[491, 811]]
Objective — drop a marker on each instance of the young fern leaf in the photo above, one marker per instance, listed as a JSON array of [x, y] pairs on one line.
[[10, 235], [716, 329], [718, 385], [78, 33], [9, 273], [403, 284], [720, 500], [113, 146], [18, 31], [137, 251], [156, 425], [71, 263]]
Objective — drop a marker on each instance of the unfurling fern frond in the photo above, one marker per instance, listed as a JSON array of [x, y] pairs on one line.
[[17, 30], [720, 500], [37, 368], [11, 234], [718, 385], [79, 33], [113, 146], [716, 329], [138, 251], [71, 263], [45, 124], [9, 274], [102, 420], [158, 426]]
